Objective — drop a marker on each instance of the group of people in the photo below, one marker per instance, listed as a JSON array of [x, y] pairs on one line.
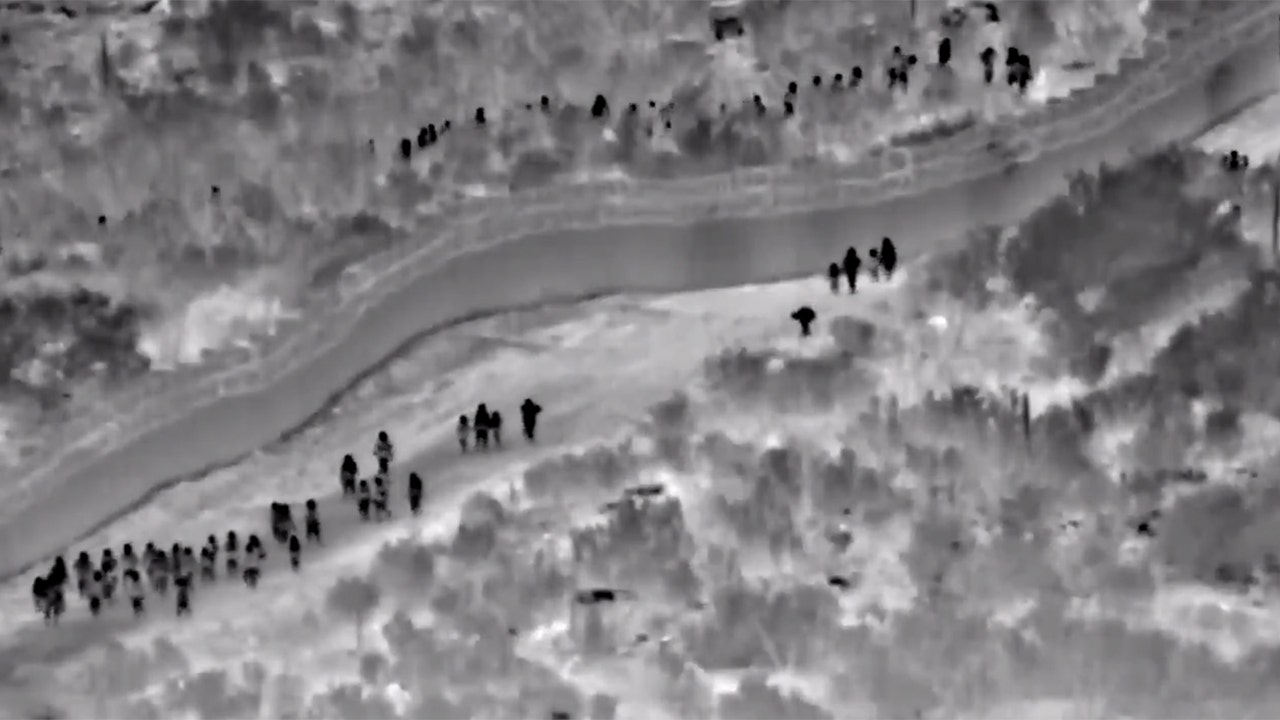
[[885, 258], [153, 571], [486, 425], [886, 261], [898, 68]]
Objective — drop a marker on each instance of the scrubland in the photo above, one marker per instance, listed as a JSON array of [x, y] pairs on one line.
[[858, 526], [242, 154]]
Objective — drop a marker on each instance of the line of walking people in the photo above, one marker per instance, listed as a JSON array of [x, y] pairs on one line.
[[151, 572]]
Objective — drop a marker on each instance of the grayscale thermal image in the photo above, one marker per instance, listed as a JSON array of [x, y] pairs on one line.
[[639, 359]]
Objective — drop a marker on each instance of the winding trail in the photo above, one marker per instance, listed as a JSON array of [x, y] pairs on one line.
[[646, 236]]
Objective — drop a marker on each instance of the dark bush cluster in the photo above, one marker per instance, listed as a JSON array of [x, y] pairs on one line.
[[472, 676], [601, 468], [754, 626], [645, 543], [771, 378], [94, 336]]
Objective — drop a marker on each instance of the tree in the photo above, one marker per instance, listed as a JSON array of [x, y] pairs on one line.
[[354, 598]]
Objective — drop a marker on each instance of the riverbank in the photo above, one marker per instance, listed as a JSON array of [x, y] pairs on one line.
[[926, 203]]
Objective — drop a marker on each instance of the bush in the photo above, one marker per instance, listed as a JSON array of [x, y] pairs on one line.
[[354, 599], [404, 568]]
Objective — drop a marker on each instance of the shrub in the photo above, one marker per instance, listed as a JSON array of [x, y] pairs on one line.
[[404, 568], [354, 599]]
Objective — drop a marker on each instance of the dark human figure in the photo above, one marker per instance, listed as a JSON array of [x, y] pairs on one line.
[[108, 562], [39, 593], [55, 602], [364, 501], [761, 110], [381, 507], [295, 553], [633, 108], [158, 573], [208, 565], [423, 142], [988, 57], [102, 220], [481, 425], [252, 560], [851, 265], [282, 525], [108, 582], [127, 558], [792, 88], [415, 493], [599, 107], [944, 51], [211, 544], [992, 12], [383, 450], [58, 573], [805, 316], [1235, 160], [479, 116], [189, 566], [95, 591], [1025, 73], [182, 599], [817, 81], [529, 411], [788, 108], [837, 81], [231, 547], [888, 257], [545, 103], [406, 148], [84, 569], [175, 558], [313, 523], [464, 432], [1012, 61], [253, 547], [134, 589], [833, 277], [899, 68], [495, 426], [855, 76], [875, 259], [347, 475]]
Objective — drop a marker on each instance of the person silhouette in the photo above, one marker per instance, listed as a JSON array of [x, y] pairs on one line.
[[851, 265], [529, 411], [833, 276], [481, 426], [804, 315], [888, 256], [988, 58], [944, 51], [415, 493], [464, 432]]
